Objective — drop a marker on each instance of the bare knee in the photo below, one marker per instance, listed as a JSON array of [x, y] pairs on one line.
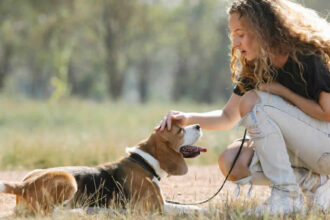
[[247, 102], [241, 168]]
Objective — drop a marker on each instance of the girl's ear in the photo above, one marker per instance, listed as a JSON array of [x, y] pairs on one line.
[[169, 160]]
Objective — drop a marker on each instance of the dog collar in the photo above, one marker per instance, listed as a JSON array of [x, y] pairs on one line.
[[139, 160]]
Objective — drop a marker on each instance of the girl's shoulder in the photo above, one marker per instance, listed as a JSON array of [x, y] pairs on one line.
[[308, 81], [313, 61], [312, 64]]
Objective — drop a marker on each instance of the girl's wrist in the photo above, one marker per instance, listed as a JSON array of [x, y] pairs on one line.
[[189, 119]]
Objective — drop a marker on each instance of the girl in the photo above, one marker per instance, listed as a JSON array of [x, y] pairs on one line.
[[280, 65]]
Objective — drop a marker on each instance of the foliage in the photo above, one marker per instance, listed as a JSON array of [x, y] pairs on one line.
[[137, 50]]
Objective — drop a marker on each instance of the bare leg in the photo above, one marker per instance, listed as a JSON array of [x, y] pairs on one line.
[[241, 168]]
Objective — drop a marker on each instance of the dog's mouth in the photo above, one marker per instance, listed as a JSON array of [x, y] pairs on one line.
[[190, 151]]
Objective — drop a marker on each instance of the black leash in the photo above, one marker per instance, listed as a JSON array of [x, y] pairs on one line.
[[231, 168]]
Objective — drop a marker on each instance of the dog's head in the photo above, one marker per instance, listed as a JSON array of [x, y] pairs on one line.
[[167, 147]]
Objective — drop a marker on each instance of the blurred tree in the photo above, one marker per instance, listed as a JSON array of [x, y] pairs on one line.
[[182, 75], [198, 68], [86, 72], [6, 52], [8, 39], [42, 44], [51, 49], [145, 42], [116, 17]]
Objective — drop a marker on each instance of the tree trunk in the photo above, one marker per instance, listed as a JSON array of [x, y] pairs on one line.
[[143, 80], [113, 25], [181, 80], [5, 65]]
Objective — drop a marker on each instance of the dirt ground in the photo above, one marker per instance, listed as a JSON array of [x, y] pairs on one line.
[[199, 184]]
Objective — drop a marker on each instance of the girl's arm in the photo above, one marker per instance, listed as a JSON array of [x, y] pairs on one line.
[[220, 119], [319, 110], [214, 120]]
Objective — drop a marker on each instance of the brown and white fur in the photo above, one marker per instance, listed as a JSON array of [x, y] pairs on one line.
[[119, 184]]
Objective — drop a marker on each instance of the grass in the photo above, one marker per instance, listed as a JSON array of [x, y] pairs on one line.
[[36, 134], [228, 210]]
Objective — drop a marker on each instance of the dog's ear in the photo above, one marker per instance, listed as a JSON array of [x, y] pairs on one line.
[[170, 160]]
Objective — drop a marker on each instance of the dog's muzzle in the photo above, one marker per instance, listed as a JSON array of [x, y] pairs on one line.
[[193, 133]]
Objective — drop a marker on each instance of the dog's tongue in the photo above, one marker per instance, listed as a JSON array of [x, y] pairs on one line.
[[189, 151]]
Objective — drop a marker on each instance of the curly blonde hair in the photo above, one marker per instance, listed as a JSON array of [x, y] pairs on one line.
[[281, 27]]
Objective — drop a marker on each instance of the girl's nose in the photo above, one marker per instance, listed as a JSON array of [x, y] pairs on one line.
[[236, 42]]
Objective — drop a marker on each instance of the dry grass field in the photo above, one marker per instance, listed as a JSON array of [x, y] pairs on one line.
[[72, 132], [200, 183]]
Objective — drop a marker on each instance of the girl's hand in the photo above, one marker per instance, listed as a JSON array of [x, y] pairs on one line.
[[277, 89], [273, 88], [181, 117]]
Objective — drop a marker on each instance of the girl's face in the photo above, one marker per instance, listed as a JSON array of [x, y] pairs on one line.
[[243, 39]]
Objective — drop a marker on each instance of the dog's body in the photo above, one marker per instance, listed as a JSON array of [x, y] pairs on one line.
[[132, 181]]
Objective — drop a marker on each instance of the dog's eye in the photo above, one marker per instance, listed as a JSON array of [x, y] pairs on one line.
[[180, 130]]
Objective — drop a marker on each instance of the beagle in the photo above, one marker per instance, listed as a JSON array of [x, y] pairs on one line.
[[130, 182]]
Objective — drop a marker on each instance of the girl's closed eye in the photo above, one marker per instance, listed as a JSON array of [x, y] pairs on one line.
[[240, 34]]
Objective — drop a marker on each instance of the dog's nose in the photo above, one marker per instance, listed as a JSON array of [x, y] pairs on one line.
[[197, 127]]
